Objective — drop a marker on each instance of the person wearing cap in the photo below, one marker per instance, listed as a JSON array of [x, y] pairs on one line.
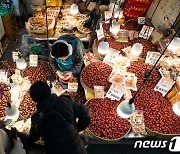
[[66, 60]]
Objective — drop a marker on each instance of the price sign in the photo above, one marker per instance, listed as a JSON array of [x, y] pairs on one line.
[[152, 57], [99, 91], [133, 34], [15, 55], [3, 76], [146, 32], [100, 33], [110, 57], [115, 92], [33, 60], [108, 15], [164, 85], [73, 86], [141, 20]]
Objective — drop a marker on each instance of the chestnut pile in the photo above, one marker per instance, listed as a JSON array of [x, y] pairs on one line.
[[4, 99], [27, 106], [97, 74], [105, 122], [147, 45], [38, 73]]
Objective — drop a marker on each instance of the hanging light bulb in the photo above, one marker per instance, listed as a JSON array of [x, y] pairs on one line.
[[125, 109], [21, 63], [174, 45], [103, 47], [136, 49], [12, 111], [115, 27], [176, 108], [74, 9]]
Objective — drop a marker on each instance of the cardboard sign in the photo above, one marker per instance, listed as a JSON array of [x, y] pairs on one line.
[[110, 57], [141, 20], [33, 60], [100, 32], [164, 85], [3, 76], [99, 91], [133, 34], [15, 55], [108, 15], [146, 32], [152, 57], [115, 92], [73, 86]]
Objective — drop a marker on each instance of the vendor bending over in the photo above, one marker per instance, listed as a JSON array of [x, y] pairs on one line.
[[67, 61]]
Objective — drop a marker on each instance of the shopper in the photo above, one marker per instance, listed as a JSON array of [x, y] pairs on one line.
[[67, 53], [55, 121], [5, 144]]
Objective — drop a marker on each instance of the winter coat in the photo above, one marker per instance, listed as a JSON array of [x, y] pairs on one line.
[[55, 121], [5, 145]]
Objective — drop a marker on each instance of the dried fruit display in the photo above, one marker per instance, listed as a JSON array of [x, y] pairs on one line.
[[38, 73], [96, 74], [39, 22], [4, 99], [158, 113], [27, 106], [139, 68], [147, 45], [105, 122], [81, 28]]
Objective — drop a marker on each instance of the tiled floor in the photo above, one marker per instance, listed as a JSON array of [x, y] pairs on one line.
[[100, 148]]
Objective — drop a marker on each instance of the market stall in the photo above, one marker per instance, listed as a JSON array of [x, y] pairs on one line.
[[124, 71]]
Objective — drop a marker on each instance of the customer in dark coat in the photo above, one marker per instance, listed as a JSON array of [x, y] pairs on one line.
[[55, 121]]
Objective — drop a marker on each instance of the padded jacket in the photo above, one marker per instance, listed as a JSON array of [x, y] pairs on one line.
[[55, 121]]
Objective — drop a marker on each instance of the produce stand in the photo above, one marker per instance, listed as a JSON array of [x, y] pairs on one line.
[[159, 119]]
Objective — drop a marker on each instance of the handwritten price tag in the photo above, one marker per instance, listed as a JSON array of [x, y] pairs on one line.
[[33, 60], [73, 86], [100, 33], [99, 91], [115, 92], [15, 55], [110, 57], [108, 15], [146, 32], [152, 57], [164, 85], [141, 20], [3, 76]]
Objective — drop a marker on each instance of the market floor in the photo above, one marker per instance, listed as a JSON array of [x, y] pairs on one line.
[[92, 148]]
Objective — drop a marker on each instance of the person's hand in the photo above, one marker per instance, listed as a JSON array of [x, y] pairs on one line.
[[68, 76], [18, 140], [60, 74]]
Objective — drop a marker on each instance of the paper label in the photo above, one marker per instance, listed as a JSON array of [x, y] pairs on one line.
[[115, 92], [108, 15], [164, 85], [15, 55], [121, 62], [137, 122], [141, 20], [99, 91], [152, 57], [117, 77], [33, 60], [110, 56], [100, 33], [73, 86], [146, 32], [130, 81], [3, 76], [133, 34]]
